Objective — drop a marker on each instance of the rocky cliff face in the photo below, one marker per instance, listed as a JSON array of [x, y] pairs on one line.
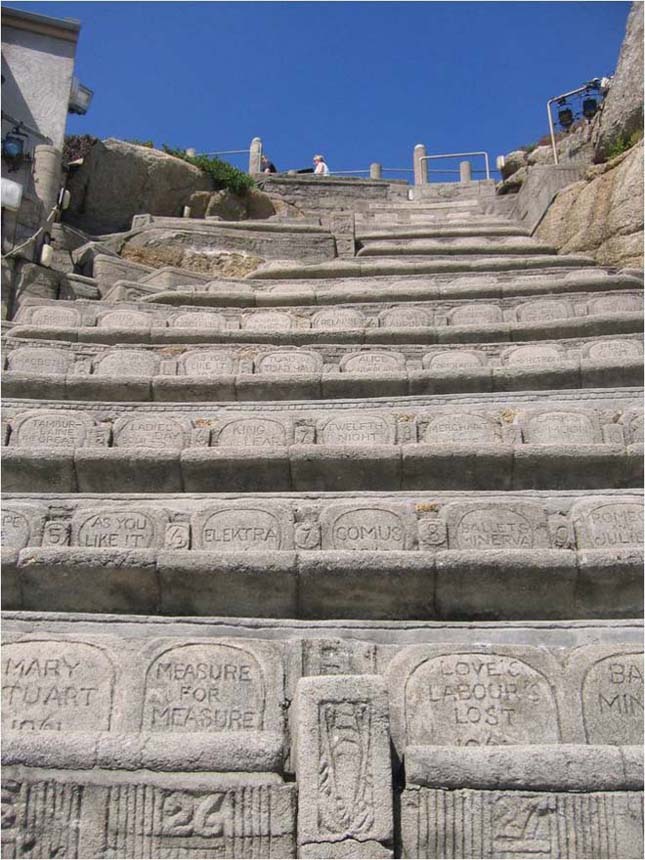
[[622, 112], [603, 214]]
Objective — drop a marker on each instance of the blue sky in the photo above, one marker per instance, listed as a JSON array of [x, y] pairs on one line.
[[359, 82]]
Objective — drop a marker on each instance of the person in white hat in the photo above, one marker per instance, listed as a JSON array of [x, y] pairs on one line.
[[321, 168]]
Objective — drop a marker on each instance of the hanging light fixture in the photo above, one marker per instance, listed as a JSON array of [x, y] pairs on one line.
[[565, 114], [589, 107]]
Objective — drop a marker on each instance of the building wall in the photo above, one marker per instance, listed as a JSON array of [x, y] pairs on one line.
[[38, 70]]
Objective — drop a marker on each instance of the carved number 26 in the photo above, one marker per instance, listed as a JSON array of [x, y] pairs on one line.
[[185, 815]]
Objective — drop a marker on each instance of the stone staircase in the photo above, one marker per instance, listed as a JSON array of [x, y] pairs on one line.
[[342, 559]]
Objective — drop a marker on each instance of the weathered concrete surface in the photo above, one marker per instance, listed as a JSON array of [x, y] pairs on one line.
[[622, 111], [603, 215], [51, 369], [320, 557], [118, 180]]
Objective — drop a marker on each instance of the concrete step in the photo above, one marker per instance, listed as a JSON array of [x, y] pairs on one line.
[[58, 370], [441, 247], [456, 230], [514, 441], [326, 291], [465, 321], [358, 267], [375, 556]]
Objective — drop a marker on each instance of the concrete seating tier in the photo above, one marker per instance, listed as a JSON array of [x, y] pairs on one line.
[[516, 441], [444, 556], [174, 288], [36, 368], [466, 321], [337, 560]]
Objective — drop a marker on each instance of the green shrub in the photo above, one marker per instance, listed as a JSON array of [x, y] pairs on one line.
[[223, 174], [622, 142], [149, 144]]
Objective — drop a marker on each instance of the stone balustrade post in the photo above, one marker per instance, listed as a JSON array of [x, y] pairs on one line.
[[376, 170], [420, 165], [255, 156], [465, 172]]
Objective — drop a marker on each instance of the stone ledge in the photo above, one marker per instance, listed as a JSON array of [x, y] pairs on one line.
[[245, 751], [324, 291], [559, 767], [58, 370]]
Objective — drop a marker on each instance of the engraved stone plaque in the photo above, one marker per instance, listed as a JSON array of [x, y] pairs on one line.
[[528, 356], [289, 361], [199, 822], [46, 361], [150, 431], [476, 315], [612, 697], [615, 304], [367, 527], [615, 350], [204, 687], [56, 317], [373, 362], [560, 427], [268, 321], [128, 362], [357, 429], [608, 522], [51, 430], [199, 320], [338, 318], [469, 699], [50, 685], [464, 428], [516, 825], [118, 528], [252, 433], [22, 525], [206, 363], [343, 763], [243, 529], [543, 311], [404, 317], [496, 525], [125, 319], [452, 360]]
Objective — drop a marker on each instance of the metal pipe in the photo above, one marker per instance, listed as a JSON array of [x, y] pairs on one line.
[[460, 155], [591, 85]]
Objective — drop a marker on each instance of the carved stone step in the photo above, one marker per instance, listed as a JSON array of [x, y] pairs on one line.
[[444, 556], [223, 293], [513, 442], [522, 801], [58, 370], [442, 246], [466, 321], [455, 229], [361, 267]]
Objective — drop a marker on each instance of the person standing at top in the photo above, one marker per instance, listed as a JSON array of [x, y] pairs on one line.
[[321, 168], [267, 166]]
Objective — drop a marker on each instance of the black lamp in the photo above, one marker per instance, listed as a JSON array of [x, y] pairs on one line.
[[589, 107], [565, 115]]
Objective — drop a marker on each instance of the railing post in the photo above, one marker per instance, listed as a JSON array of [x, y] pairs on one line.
[[376, 170], [465, 172], [420, 165], [255, 156]]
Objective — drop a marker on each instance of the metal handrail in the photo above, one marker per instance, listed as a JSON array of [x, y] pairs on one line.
[[226, 152], [460, 155]]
